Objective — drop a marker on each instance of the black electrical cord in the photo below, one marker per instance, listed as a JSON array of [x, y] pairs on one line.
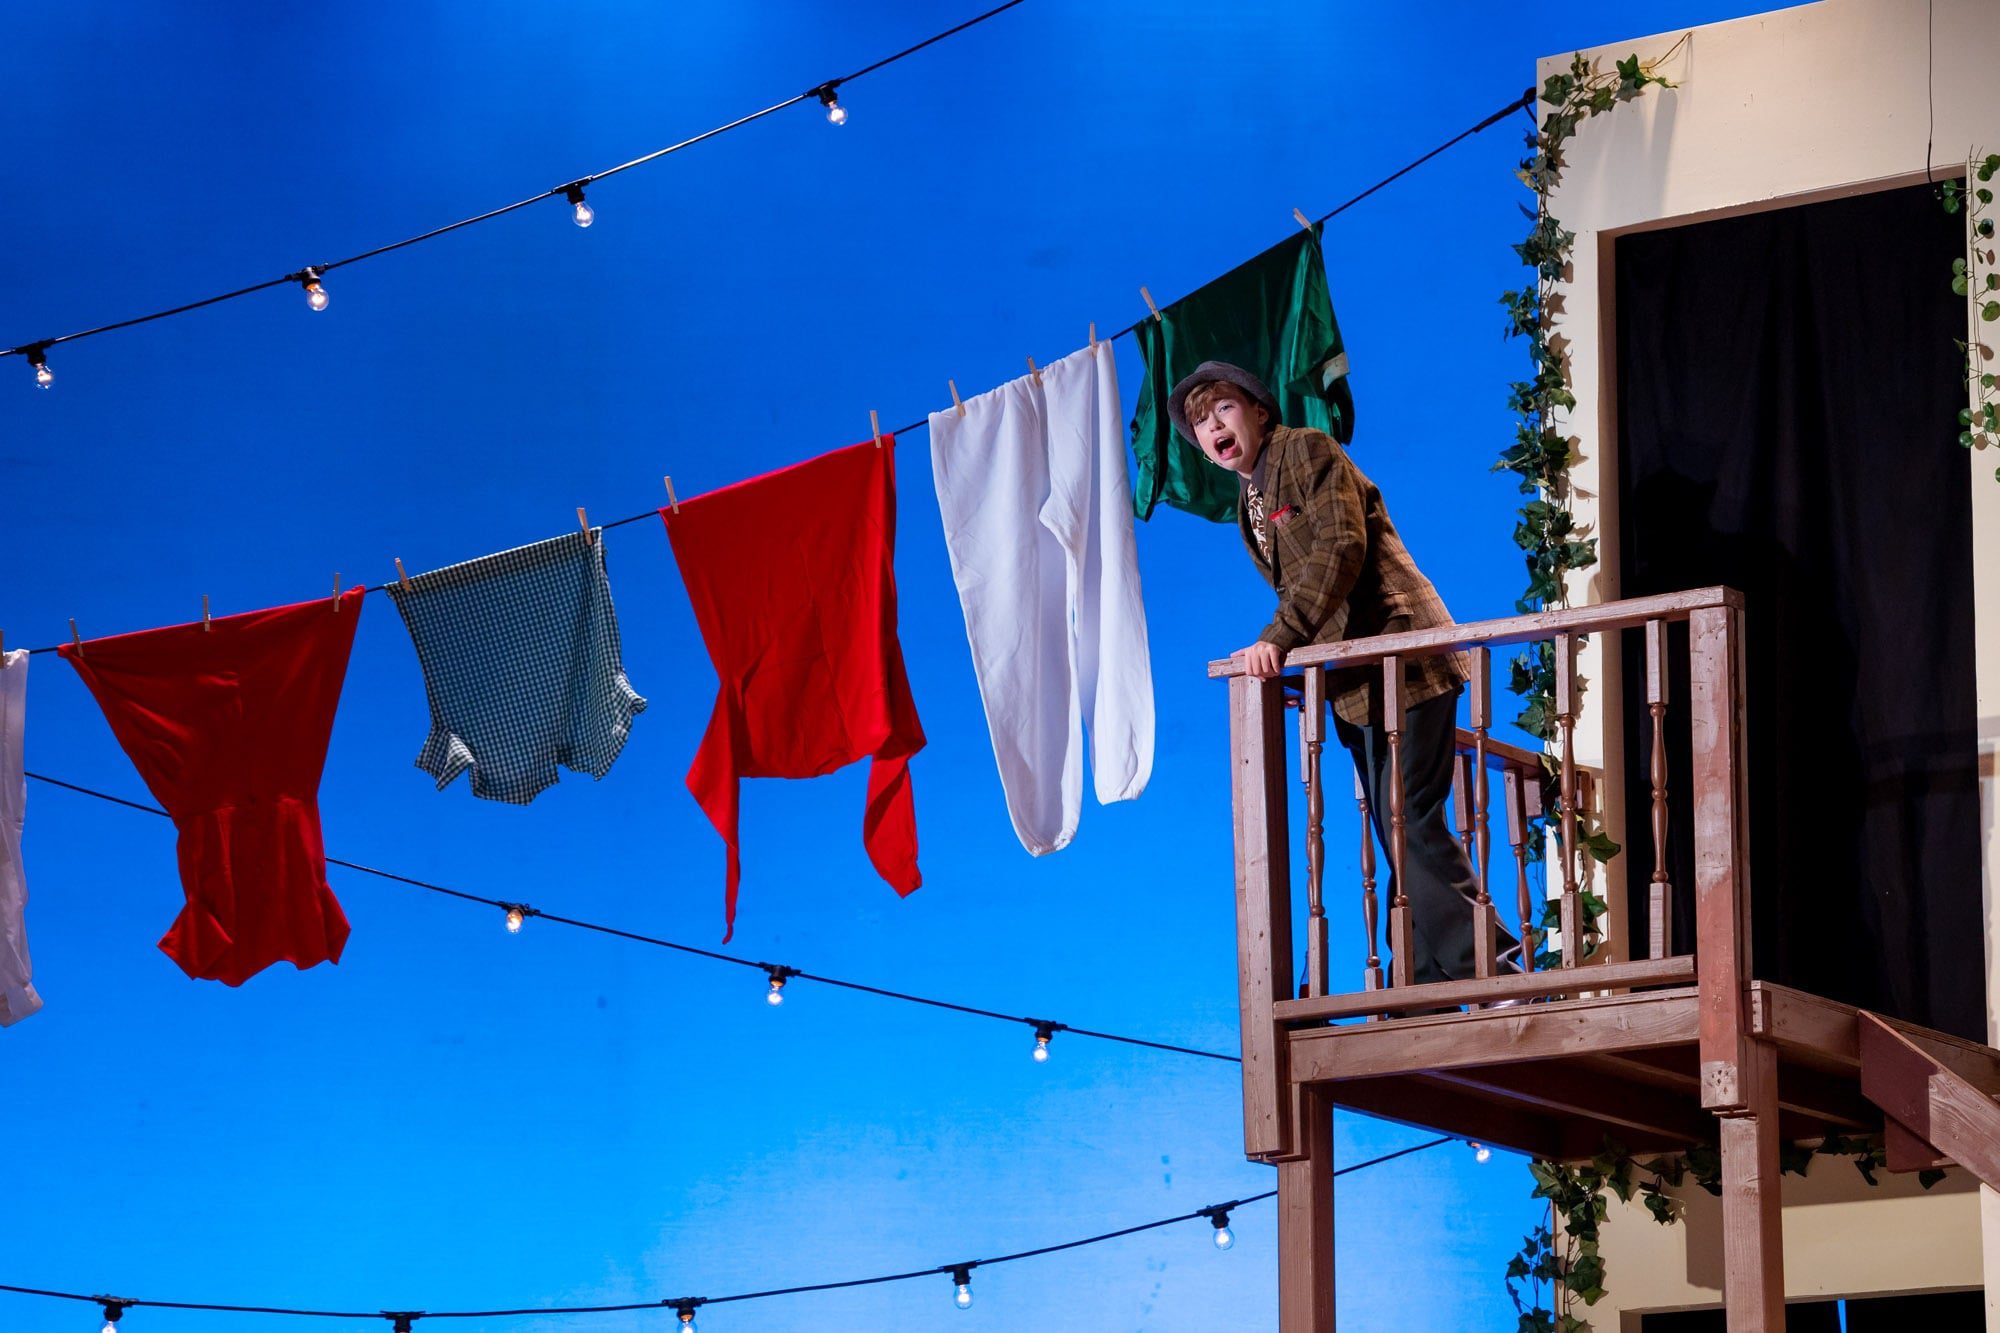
[[694, 1301], [1035, 1023], [42, 345]]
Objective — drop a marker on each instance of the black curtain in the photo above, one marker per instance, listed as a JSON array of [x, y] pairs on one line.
[[1952, 1312], [1815, 1317], [1788, 392]]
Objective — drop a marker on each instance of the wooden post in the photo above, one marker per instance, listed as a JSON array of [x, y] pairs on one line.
[[1721, 857], [1263, 907], [1305, 1224], [1753, 1251], [1572, 901], [1312, 741], [1371, 976], [1659, 915], [1401, 944]]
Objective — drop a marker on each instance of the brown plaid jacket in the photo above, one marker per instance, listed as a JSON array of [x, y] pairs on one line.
[[1340, 569]]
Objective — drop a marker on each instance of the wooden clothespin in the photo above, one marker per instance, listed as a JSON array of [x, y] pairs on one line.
[[673, 501], [336, 592], [205, 626], [1093, 335], [584, 523], [954, 397], [75, 637], [401, 577], [1149, 302], [1033, 372], [1304, 221], [875, 425]]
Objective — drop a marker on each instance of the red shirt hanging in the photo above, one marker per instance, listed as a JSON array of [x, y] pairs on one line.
[[793, 583], [229, 728]]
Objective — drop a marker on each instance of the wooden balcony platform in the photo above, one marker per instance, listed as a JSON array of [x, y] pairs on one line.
[[1555, 1079]]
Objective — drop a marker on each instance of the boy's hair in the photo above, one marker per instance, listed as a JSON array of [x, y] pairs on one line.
[[1202, 399]]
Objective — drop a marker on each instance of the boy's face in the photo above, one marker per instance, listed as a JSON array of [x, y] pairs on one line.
[[1230, 430]]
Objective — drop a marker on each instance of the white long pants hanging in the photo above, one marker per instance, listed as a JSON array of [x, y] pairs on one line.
[[1038, 519], [17, 987]]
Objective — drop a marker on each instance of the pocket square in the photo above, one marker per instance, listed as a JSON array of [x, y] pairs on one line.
[[1285, 515]]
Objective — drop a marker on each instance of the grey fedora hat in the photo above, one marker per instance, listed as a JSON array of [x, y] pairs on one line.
[[1211, 372]]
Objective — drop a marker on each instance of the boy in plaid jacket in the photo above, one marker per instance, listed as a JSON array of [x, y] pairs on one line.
[[1317, 531]]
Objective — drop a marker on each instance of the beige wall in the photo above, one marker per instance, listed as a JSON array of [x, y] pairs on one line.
[[1814, 101]]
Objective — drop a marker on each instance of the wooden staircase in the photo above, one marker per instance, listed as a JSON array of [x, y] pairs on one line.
[[1941, 1098]]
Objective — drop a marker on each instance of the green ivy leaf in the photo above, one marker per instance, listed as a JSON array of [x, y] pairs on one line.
[[1965, 439], [1983, 195], [1958, 287], [1990, 311], [1984, 227], [1965, 416]]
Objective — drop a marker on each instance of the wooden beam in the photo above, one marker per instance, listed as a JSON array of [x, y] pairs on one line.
[[1827, 1032], [1430, 1103], [1753, 1252], [1595, 619], [1485, 990], [1531, 1032], [1305, 1224], [1622, 1109], [1263, 909]]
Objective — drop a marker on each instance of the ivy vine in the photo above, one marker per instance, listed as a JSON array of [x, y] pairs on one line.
[[1560, 1267], [1975, 277], [1547, 533]]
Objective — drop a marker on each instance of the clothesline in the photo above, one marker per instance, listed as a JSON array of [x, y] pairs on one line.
[[1525, 102], [960, 1273], [778, 972]]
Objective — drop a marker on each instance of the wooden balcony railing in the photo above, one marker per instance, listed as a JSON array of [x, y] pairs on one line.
[[1261, 786]]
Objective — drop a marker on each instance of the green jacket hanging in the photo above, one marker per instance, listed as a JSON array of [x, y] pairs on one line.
[[1273, 317]]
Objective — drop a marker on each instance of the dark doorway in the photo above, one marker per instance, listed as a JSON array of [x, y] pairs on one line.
[[1948, 1312], [1788, 392]]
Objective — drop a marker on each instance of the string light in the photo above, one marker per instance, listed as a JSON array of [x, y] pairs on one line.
[[1224, 1237], [961, 1278], [401, 1320], [684, 1311], [515, 916], [113, 1312], [315, 294], [835, 113], [1480, 1152], [779, 975], [38, 357], [585, 214], [1043, 1032]]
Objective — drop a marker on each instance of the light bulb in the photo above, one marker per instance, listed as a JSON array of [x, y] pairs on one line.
[[963, 1298], [515, 916], [315, 294], [836, 114], [686, 1314], [1041, 1050], [44, 377], [109, 1327], [1481, 1153], [776, 995], [585, 215], [1224, 1238]]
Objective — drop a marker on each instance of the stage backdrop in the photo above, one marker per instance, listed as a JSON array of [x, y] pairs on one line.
[[1788, 392]]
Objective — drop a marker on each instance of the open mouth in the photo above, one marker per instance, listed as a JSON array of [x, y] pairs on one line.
[[1225, 448]]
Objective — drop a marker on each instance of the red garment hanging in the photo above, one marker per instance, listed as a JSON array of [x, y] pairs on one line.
[[229, 727], [794, 587]]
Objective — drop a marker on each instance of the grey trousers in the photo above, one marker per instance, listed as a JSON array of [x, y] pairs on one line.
[[1441, 884]]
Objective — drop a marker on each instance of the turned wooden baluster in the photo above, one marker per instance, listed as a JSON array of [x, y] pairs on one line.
[[1461, 799], [1517, 837], [1572, 901], [1659, 920], [1400, 932], [1485, 921], [1312, 740], [1371, 977]]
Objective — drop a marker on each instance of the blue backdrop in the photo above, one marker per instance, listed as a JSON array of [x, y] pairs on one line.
[[456, 1117]]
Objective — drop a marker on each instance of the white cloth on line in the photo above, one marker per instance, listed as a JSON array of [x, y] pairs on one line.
[[1037, 516], [17, 988]]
